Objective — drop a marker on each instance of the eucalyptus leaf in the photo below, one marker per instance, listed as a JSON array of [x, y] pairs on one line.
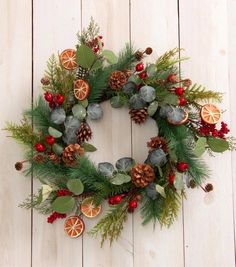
[[176, 115], [151, 191], [71, 123], [165, 111], [110, 56], [58, 115], [84, 103], [46, 191], [178, 182], [200, 146], [129, 88], [157, 157], [152, 108], [79, 111], [75, 186], [217, 144], [63, 204], [85, 56], [120, 179], [54, 132], [94, 111], [89, 148], [57, 149], [160, 190], [135, 78], [116, 101], [147, 93], [136, 102], [171, 99], [106, 168], [125, 164]]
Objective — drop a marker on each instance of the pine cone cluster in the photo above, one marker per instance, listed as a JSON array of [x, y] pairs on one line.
[[142, 174], [84, 133], [138, 115], [157, 142], [70, 153], [117, 80]]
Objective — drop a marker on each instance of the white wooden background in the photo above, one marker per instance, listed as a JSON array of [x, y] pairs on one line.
[[30, 31]]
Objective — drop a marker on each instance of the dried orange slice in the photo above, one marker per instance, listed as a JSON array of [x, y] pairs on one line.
[[210, 114], [81, 89], [74, 226], [68, 59], [89, 209]]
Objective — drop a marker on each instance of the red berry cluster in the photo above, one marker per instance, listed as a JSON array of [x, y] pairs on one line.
[[142, 73], [207, 129], [133, 204], [63, 192], [115, 199], [50, 140], [54, 100], [54, 216]]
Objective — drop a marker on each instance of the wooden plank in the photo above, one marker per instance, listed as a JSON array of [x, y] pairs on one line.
[[155, 24], [208, 219], [112, 134], [232, 94], [15, 76], [56, 24]]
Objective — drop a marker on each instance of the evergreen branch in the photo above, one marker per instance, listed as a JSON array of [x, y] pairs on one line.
[[98, 80], [88, 34], [111, 225], [170, 208], [197, 93], [40, 114], [23, 132], [52, 64]]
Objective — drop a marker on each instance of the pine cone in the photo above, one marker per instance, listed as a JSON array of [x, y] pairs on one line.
[[117, 80], [127, 73], [19, 166], [84, 133], [39, 158], [208, 187], [157, 142], [45, 81], [54, 158], [81, 73], [142, 174], [138, 55], [70, 153], [138, 115]]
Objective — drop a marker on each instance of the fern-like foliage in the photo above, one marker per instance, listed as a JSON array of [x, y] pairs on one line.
[[98, 80], [23, 133], [198, 93], [111, 225], [51, 71]]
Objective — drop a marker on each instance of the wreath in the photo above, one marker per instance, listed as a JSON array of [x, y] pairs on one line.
[[56, 135]]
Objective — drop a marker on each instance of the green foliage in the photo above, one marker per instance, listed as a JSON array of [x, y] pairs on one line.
[[89, 33], [23, 132], [98, 80], [40, 115], [111, 225], [198, 93], [170, 208], [51, 71], [63, 204]]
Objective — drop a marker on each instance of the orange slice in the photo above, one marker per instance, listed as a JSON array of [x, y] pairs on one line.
[[81, 89], [210, 114], [68, 59], [89, 209], [74, 226]]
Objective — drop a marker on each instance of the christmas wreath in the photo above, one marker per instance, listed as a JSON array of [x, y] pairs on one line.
[[56, 135]]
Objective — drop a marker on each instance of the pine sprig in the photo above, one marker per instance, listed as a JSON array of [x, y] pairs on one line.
[[23, 133], [111, 225], [198, 93], [51, 71]]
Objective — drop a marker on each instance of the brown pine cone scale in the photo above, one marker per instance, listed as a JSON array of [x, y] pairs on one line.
[[70, 153], [157, 142], [138, 115], [84, 133], [117, 80]]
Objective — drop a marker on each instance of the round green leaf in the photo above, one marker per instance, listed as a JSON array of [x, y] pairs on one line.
[[200, 146], [57, 149], [85, 56], [217, 144], [75, 186], [54, 132], [63, 204], [84, 103], [120, 179], [125, 164], [152, 108], [89, 148], [178, 182], [110, 56], [161, 190], [79, 111]]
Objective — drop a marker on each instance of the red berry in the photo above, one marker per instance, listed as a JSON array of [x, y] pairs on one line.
[[171, 178], [111, 201], [117, 199], [96, 49], [182, 101], [50, 140], [139, 67], [59, 99], [179, 91], [48, 97], [52, 105], [100, 36], [172, 78], [102, 44], [182, 166], [133, 204], [63, 192], [143, 75], [39, 147]]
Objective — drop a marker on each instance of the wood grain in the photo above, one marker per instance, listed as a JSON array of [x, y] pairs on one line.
[[15, 77], [56, 24], [208, 219]]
